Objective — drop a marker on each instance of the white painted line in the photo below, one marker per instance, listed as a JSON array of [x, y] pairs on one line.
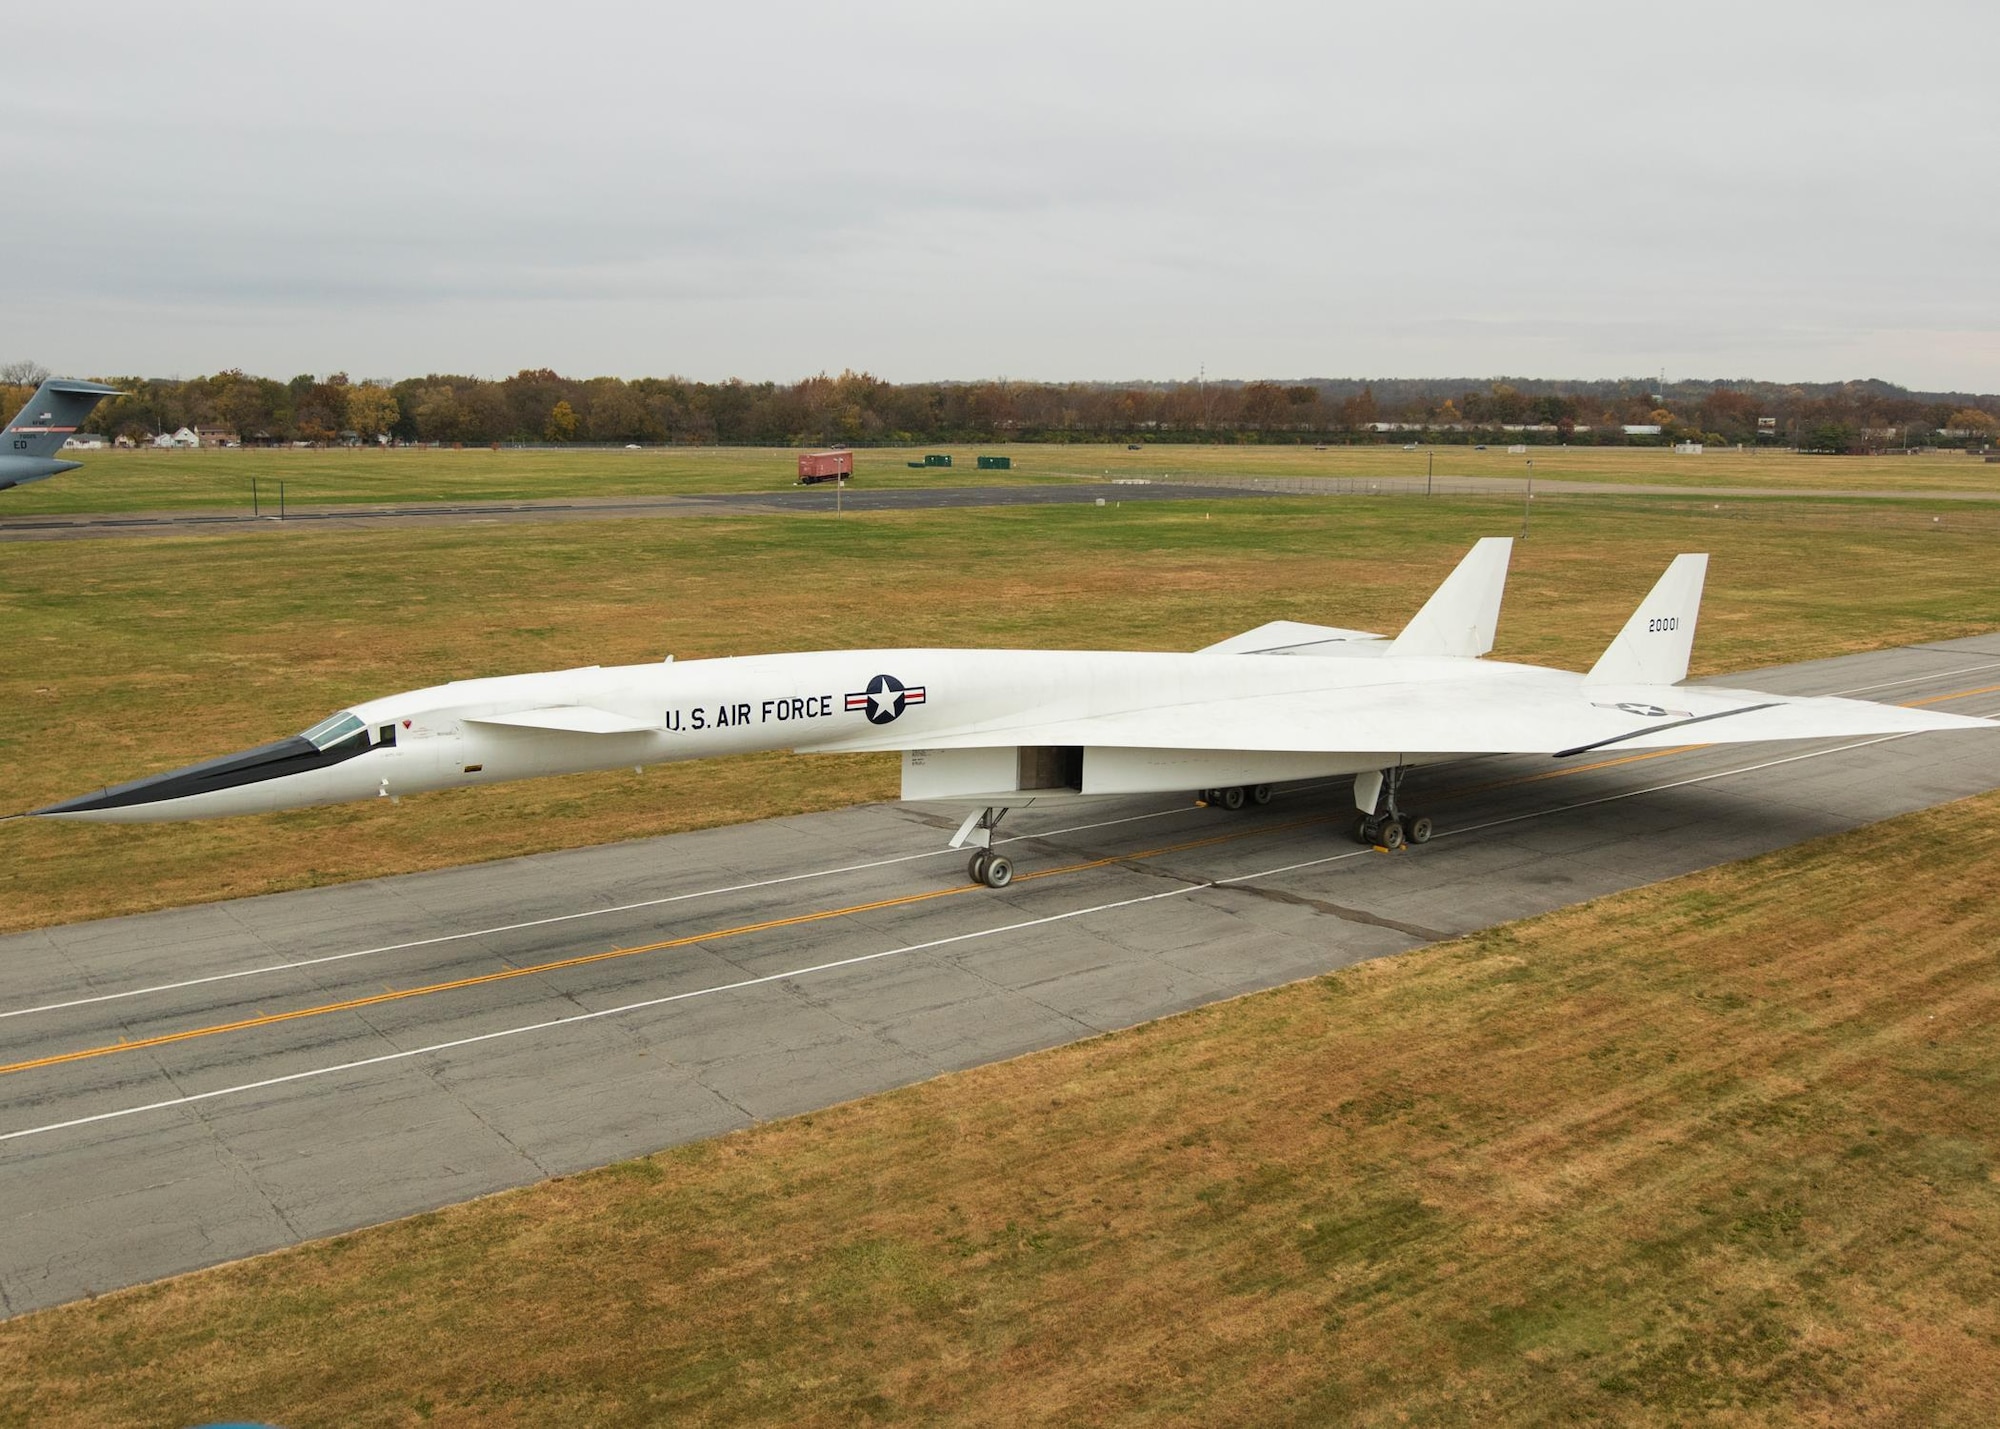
[[1913, 680], [299, 963], [302, 963], [575, 1018], [817, 968], [1679, 783]]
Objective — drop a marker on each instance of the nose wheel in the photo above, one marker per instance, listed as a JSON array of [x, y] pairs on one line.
[[995, 870]]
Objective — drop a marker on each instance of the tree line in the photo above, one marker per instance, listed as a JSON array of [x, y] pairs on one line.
[[541, 406]]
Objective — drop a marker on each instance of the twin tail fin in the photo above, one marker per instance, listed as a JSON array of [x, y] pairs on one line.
[[1460, 617], [1653, 647]]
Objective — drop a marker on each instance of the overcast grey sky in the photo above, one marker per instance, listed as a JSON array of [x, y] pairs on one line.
[[1049, 191]]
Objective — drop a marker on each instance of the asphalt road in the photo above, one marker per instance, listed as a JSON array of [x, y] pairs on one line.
[[188, 1087]]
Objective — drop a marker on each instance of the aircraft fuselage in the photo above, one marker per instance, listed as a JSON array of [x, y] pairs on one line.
[[510, 727]]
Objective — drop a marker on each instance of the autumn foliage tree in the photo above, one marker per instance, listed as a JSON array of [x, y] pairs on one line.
[[561, 425], [542, 405]]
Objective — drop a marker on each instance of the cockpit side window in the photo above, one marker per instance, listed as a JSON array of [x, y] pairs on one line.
[[333, 729]]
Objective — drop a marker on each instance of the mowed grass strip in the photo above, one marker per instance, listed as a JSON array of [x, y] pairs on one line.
[[114, 481], [129, 657], [221, 479], [1940, 471], [1719, 1150]]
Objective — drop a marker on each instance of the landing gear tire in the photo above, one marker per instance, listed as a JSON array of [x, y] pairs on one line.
[[1232, 799], [1390, 835], [1364, 833], [975, 868], [1260, 794], [999, 871], [1420, 830]]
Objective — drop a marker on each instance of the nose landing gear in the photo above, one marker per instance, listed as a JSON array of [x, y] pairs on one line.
[[995, 870]]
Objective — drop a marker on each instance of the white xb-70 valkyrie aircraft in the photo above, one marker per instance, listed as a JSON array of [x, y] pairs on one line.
[[1001, 729]]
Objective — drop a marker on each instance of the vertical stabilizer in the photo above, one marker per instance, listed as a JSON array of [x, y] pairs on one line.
[[53, 415], [1653, 647], [1461, 614]]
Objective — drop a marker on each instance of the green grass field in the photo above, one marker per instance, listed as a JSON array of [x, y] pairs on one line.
[[1783, 471], [1716, 1151], [204, 480], [221, 480], [128, 657]]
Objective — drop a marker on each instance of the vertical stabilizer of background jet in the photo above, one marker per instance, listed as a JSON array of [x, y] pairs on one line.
[[1653, 647], [1461, 615], [53, 415]]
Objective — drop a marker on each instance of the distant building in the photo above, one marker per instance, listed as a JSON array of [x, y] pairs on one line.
[[215, 437], [1767, 426], [183, 437], [1641, 429], [85, 442], [1689, 448]]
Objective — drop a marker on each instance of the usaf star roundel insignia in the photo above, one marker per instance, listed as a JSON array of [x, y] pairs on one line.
[[885, 698]]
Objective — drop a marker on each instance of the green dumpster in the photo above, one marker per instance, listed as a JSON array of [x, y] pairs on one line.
[[996, 463], [937, 458]]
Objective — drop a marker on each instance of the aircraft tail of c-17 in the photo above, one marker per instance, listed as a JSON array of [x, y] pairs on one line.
[[53, 415]]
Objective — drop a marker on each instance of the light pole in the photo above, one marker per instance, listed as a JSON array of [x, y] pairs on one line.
[[1528, 501]]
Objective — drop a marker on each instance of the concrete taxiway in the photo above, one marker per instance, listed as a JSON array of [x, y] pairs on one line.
[[188, 1087]]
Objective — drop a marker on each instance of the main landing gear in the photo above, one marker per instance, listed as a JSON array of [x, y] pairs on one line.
[[1235, 798], [1391, 827], [995, 870]]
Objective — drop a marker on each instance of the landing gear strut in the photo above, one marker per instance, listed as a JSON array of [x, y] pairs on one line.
[[1389, 828], [995, 870]]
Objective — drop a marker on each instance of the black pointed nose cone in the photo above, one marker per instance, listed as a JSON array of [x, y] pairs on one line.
[[296, 755]]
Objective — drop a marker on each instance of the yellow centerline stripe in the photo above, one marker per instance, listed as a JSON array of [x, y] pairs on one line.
[[585, 959], [1955, 695], [823, 915], [1564, 772]]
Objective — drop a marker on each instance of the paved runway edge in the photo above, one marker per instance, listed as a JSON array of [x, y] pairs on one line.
[[188, 1087]]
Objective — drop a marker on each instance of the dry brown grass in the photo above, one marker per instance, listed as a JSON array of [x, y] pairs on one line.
[[175, 480], [126, 658], [1941, 471], [150, 480], [1719, 1150]]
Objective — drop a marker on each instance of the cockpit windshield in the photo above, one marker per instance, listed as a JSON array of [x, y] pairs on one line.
[[333, 729]]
